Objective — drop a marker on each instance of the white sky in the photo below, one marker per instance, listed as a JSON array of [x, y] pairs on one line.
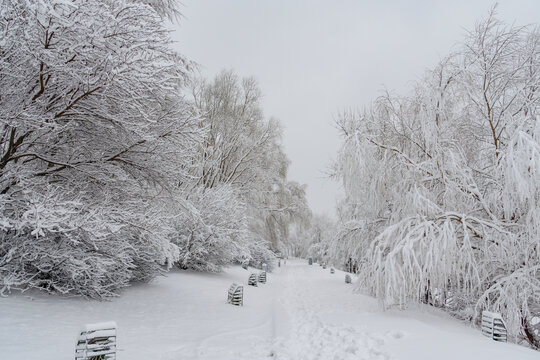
[[315, 58]]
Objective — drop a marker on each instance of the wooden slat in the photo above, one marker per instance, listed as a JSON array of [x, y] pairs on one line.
[[97, 340], [235, 294], [493, 326], [97, 334]]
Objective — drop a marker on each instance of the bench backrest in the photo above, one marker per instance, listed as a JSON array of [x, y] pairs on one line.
[[252, 279], [493, 326], [97, 341], [235, 295]]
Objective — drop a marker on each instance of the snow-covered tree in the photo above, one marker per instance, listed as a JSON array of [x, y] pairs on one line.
[[243, 150], [95, 137], [443, 185], [321, 240]]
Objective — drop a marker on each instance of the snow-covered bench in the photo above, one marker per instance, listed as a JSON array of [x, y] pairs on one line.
[[252, 279], [262, 277], [347, 279], [235, 295], [493, 326], [97, 341]]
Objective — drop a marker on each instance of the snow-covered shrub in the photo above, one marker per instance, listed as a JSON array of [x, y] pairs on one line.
[[61, 242], [214, 232], [260, 253]]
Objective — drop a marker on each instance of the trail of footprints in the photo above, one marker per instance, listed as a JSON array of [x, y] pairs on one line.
[[311, 339]]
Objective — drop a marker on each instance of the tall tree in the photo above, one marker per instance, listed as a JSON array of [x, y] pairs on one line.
[[443, 185], [94, 134], [242, 151]]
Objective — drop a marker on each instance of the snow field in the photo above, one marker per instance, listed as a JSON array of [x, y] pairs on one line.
[[174, 317], [332, 322], [302, 312]]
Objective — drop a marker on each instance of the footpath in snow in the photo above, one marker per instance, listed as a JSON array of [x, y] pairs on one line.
[[302, 312]]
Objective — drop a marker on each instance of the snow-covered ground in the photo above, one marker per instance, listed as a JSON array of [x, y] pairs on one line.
[[302, 312]]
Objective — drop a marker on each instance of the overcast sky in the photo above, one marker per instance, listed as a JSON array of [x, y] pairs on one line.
[[313, 59]]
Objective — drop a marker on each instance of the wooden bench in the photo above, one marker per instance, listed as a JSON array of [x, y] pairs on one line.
[[493, 326], [348, 279], [97, 342], [332, 270], [252, 280], [235, 295], [262, 277]]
